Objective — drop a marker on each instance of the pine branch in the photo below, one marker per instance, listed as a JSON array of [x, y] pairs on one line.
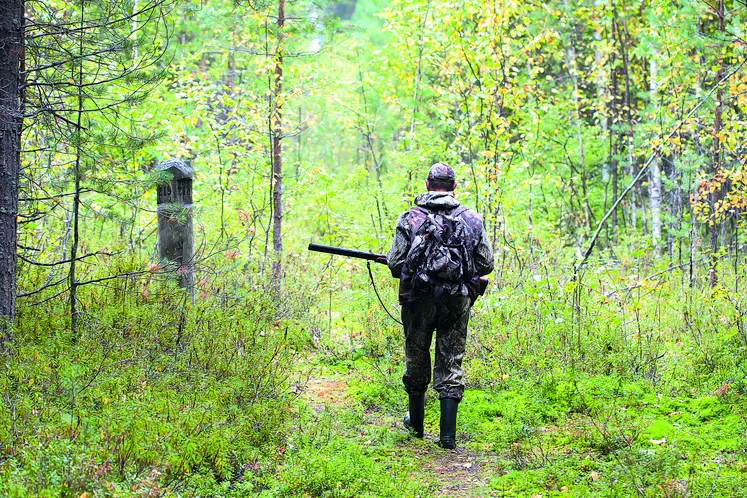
[[58, 263]]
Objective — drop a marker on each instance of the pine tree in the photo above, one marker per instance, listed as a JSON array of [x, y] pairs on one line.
[[11, 121]]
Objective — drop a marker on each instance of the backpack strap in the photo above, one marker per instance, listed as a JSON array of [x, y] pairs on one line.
[[458, 211], [417, 221]]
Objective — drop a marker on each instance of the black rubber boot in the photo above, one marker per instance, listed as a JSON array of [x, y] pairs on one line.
[[448, 422], [414, 418]]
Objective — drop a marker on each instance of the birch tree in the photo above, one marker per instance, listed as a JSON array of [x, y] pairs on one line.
[[655, 170], [276, 133]]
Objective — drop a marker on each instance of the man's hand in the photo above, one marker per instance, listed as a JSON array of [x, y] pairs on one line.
[[381, 260]]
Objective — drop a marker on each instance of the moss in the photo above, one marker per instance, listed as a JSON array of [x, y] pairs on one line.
[[659, 429], [709, 408], [518, 482]]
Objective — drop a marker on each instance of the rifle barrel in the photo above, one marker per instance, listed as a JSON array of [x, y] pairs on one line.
[[346, 252]]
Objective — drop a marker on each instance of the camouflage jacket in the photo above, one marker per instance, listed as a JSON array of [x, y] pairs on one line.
[[439, 202]]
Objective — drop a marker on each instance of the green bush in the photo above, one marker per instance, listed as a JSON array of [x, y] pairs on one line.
[[151, 393]]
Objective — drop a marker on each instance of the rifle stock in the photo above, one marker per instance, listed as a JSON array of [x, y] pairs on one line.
[[482, 285], [476, 287]]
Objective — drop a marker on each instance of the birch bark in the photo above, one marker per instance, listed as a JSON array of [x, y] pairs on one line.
[[277, 150], [655, 170]]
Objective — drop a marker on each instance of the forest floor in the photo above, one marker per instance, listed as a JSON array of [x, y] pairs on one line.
[[561, 434], [617, 413], [458, 473]]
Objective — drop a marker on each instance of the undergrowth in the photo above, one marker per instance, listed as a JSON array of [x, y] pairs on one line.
[[608, 385]]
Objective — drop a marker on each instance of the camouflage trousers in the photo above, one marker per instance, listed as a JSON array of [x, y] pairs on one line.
[[448, 316]]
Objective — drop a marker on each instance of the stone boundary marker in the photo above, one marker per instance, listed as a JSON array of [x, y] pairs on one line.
[[175, 227]]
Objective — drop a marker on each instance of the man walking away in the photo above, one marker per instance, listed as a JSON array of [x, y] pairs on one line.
[[440, 249]]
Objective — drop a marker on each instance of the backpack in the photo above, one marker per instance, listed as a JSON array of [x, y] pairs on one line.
[[440, 257]]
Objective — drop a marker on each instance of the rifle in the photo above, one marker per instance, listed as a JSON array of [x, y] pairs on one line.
[[379, 258], [476, 286]]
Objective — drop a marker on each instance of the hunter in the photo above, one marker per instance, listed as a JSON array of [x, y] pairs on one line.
[[440, 250]]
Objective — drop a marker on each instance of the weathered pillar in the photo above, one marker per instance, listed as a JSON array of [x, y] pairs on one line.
[[175, 230]]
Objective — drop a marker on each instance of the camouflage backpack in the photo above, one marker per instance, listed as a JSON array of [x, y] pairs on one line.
[[439, 259]]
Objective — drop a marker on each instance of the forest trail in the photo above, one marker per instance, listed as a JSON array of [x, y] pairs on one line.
[[459, 473]]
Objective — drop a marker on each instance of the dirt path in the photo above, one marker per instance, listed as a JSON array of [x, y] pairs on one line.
[[459, 473], [324, 392]]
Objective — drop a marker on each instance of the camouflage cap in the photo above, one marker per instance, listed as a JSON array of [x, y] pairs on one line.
[[441, 173]]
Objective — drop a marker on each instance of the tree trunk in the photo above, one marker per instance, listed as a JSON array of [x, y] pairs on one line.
[[134, 29], [277, 149], [717, 126], [11, 121], [76, 195], [655, 172], [675, 206], [601, 95], [570, 60], [614, 167], [418, 76], [620, 30]]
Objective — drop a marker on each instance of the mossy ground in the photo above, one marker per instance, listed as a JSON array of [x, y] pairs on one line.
[[602, 394], [569, 393], [569, 436]]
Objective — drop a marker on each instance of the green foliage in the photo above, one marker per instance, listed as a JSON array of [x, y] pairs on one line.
[[155, 395], [340, 468], [611, 393], [626, 379]]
